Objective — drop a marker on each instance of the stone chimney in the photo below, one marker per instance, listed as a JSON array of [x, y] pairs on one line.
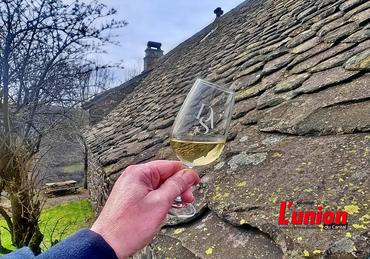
[[152, 53], [218, 12]]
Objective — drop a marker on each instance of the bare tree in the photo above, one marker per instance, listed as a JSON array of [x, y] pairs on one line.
[[133, 70], [43, 44]]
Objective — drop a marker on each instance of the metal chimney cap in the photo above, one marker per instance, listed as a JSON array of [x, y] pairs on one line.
[[218, 11], [153, 44]]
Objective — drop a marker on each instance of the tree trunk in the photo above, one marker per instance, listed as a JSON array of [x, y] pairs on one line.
[[26, 231]]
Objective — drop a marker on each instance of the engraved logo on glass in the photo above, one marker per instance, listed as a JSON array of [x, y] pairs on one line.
[[204, 121]]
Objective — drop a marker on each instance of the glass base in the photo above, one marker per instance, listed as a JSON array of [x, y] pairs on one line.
[[182, 210]]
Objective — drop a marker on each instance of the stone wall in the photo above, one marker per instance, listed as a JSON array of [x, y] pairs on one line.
[[98, 185]]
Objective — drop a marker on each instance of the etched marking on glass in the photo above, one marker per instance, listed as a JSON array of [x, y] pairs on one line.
[[204, 121]]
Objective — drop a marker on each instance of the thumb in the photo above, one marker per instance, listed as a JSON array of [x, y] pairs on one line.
[[177, 184]]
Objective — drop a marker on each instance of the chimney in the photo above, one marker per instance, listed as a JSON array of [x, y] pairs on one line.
[[219, 12], [152, 53]]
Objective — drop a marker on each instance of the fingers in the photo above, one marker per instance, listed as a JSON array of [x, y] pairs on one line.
[[187, 196], [165, 168], [178, 184]]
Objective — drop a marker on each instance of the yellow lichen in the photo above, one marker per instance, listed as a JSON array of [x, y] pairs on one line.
[[277, 154], [179, 231], [359, 226], [306, 253], [242, 221], [242, 184], [321, 226], [273, 198], [351, 209], [365, 218], [299, 238], [349, 235], [209, 251], [249, 92], [300, 168], [367, 152], [308, 190], [316, 252]]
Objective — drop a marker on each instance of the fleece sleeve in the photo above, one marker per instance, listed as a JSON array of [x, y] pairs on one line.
[[84, 244]]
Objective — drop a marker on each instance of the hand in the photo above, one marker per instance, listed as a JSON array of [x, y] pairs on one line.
[[139, 202]]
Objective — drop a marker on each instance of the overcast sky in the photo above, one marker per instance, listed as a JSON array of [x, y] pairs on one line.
[[167, 21]]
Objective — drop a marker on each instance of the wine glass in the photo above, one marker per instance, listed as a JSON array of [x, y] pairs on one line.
[[200, 130]]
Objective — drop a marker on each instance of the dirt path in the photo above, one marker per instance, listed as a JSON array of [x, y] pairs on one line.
[[57, 200], [53, 200]]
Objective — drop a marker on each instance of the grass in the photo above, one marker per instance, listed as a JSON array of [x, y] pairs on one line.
[[57, 223], [73, 168]]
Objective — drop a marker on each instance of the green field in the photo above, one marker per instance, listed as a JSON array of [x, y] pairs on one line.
[[57, 223]]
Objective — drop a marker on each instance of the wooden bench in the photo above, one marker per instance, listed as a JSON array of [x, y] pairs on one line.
[[60, 187]]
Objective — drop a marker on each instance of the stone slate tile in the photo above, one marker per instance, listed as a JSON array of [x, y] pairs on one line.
[[164, 246], [286, 117], [340, 59], [252, 61], [329, 27], [341, 118], [250, 92], [245, 81], [309, 53], [290, 83], [330, 9], [350, 4], [359, 62], [358, 36], [302, 37], [340, 33], [362, 17], [249, 70], [250, 243], [356, 10], [324, 79], [306, 45], [277, 63], [332, 62], [323, 3], [160, 124], [270, 99], [326, 163], [272, 79], [306, 13], [320, 24], [313, 61], [242, 108]]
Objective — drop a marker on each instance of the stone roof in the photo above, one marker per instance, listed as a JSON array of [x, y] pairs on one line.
[[105, 102], [300, 130]]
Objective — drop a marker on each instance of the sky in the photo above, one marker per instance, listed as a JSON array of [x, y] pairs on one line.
[[167, 21]]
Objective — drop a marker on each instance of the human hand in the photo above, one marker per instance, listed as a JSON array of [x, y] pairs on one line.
[[139, 202]]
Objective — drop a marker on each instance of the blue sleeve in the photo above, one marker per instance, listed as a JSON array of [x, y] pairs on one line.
[[84, 244]]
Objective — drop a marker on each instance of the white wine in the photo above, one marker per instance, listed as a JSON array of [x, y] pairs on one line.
[[197, 153]]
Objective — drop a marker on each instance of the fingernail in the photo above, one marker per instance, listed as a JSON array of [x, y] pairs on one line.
[[188, 177]]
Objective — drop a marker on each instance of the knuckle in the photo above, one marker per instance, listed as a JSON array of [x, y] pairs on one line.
[[178, 182]]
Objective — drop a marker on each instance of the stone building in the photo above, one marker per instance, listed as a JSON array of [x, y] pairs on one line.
[[300, 131], [105, 102]]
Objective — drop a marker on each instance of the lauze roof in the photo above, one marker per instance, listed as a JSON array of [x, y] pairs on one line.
[[299, 131]]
